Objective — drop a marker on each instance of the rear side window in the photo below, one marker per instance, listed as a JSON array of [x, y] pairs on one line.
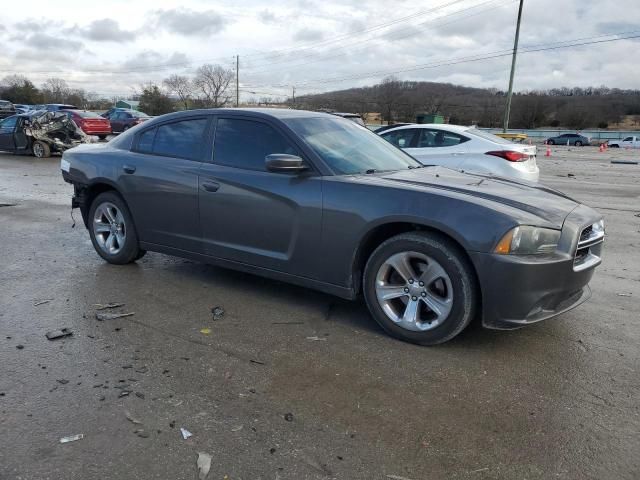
[[245, 143], [183, 139], [400, 138], [440, 138]]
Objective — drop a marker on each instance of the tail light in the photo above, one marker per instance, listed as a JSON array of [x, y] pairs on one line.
[[510, 155]]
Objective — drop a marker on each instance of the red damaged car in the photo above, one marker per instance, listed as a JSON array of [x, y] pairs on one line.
[[90, 123]]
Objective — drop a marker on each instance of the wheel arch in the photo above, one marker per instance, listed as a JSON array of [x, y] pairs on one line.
[[90, 192], [383, 231]]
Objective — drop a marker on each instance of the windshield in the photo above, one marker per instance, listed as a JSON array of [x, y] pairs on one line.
[[348, 148], [488, 136]]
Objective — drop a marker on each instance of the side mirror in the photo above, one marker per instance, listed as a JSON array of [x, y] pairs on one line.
[[282, 162]]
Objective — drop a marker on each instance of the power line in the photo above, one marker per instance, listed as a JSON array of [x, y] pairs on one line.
[[367, 40], [468, 59]]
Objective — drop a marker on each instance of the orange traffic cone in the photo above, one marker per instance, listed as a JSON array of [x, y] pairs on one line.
[[548, 152]]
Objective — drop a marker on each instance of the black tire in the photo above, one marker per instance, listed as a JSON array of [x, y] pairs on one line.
[[578, 143], [128, 252], [550, 142], [40, 149], [615, 145], [465, 290], [102, 137]]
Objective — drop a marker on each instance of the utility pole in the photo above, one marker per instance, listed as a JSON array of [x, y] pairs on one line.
[[293, 94], [507, 109], [237, 80]]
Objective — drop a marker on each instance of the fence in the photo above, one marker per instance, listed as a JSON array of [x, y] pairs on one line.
[[594, 135]]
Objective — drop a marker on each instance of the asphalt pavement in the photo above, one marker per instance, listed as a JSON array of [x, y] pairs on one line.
[[289, 383]]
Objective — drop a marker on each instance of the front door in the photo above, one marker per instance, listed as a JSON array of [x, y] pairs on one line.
[[7, 129], [160, 182], [252, 216]]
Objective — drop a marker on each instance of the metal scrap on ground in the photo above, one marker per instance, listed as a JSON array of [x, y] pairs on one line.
[[204, 465], [185, 433], [55, 334], [100, 306], [112, 316], [72, 438], [218, 312]]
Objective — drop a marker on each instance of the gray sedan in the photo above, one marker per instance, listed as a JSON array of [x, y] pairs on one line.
[[569, 139], [316, 200]]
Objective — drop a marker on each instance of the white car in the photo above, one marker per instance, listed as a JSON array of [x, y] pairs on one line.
[[465, 148], [627, 142]]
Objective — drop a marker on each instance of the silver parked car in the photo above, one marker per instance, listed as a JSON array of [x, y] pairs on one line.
[[465, 148]]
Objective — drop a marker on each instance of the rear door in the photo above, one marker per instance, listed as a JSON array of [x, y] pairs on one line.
[[20, 139], [7, 129], [117, 121], [252, 216], [159, 178], [439, 147]]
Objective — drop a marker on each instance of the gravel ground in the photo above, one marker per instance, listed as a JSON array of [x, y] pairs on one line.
[[295, 384]]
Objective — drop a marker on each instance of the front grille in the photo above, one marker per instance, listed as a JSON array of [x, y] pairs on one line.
[[589, 238]]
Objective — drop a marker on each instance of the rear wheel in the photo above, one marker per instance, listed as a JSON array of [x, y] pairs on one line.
[[420, 288], [40, 149], [112, 231], [102, 137], [550, 142]]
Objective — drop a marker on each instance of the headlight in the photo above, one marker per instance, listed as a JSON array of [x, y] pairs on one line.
[[527, 240]]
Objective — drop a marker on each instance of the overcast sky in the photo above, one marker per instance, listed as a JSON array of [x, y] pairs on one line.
[[319, 46]]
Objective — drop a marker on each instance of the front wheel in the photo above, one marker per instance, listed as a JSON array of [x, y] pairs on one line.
[[550, 142], [112, 231], [420, 288], [578, 143]]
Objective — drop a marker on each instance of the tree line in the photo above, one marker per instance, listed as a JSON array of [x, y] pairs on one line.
[[392, 100], [208, 88], [395, 101]]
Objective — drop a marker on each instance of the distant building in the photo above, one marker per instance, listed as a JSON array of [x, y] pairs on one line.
[[130, 104]]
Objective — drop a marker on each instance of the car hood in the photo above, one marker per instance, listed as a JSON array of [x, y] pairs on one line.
[[536, 199]]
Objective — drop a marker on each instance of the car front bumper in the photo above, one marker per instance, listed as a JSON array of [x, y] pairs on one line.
[[518, 290]]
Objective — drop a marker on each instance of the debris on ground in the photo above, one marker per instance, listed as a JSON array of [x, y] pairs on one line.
[[72, 438], [144, 369], [624, 162], [236, 429], [141, 433], [257, 361], [185, 433], [112, 316], [42, 302], [131, 418], [55, 334], [317, 339], [140, 395], [205, 331], [124, 393], [204, 465], [288, 417], [624, 294], [19, 347], [100, 306], [570, 175], [218, 312], [63, 381], [287, 323]]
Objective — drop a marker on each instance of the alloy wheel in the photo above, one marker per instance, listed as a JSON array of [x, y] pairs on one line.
[[414, 291], [109, 228]]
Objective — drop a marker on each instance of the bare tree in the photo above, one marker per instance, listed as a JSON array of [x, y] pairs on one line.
[[212, 82], [55, 90], [181, 86], [388, 95]]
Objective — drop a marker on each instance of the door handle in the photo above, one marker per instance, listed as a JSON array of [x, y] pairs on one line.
[[210, 186], [128, 169]]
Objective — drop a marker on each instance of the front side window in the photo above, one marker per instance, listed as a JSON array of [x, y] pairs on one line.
[[628, 139], [8, 125], [245, 143], [401, 138]]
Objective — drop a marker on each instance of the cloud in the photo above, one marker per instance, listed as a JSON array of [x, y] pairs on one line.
[[46, 42], [105, 30], [153, 59], [308, 35], [185, 21], [266, 16], [52, 60]]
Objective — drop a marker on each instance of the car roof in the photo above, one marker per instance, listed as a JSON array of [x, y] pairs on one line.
[[442, 126], [279, 113]]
